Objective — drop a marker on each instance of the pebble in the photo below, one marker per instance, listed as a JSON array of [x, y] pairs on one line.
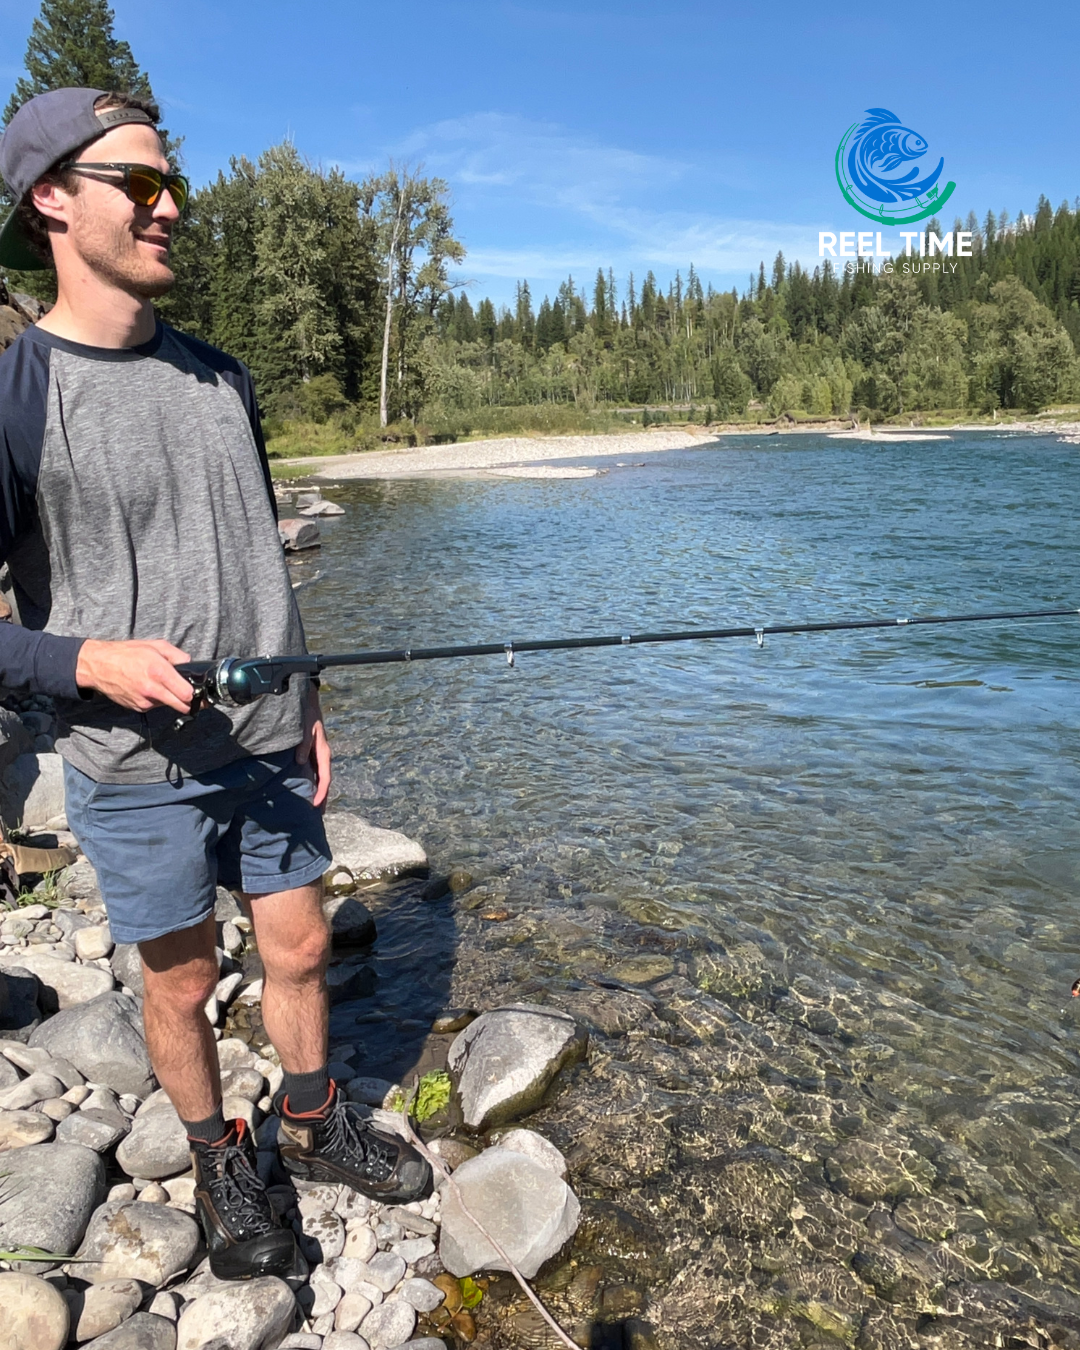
[[91, 1131], [352, 1205], [31, 1060], [18, 1129], [345, 1340], [321, 1295], [411, 1221], [413, 1250], [234, 1054], [92, 944], [57, 1108], [302, 1340], [154, 1194], [385, 1271], [390, 1323], [100, 1307], [360, 1241], [246, 1083], [165, 1304], [144, 1331], [422, 1294], [39, 1087], [76, 1095], [317, 1199], [352, 1310], [35, 1315], [123, 1190], [323, 1236]]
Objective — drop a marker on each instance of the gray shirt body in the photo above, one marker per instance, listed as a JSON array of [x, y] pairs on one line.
[[138, 506]]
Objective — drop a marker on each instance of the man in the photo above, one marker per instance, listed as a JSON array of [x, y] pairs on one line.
[[138, 523]]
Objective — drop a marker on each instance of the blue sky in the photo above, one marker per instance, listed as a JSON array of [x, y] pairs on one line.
[[634, 136]]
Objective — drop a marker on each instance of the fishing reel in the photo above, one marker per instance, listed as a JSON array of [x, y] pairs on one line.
[[234, 682]]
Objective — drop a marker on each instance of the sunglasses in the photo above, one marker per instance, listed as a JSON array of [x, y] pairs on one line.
[[142, 184]]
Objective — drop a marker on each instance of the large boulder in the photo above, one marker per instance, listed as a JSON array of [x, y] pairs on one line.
[[129, 1239], [47, 1196], [32, 793], [370, 853], [20, 1013], [104, 1040], [504, 1062], [66, 984], [251, 1316], [35, 1317], [156, 1146], [527, 1208]]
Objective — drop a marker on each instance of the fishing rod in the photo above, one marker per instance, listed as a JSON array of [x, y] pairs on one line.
[[236, 681]]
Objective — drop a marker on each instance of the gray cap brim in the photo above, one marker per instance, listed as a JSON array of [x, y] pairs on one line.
[[15, 250]]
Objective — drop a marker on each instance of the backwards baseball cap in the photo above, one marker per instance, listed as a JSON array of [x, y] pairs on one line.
[[44, 131]]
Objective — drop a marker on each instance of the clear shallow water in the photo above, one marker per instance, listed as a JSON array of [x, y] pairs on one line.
[[882, 825]]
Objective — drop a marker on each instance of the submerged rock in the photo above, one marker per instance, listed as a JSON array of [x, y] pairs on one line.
[[47, 1196], [104, 1040], [526, 1207], [371, 853], [351, 923], [504, 1061]]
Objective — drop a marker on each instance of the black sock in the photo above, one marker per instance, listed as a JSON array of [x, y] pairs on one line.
[[210, 1130], [306, 1091]]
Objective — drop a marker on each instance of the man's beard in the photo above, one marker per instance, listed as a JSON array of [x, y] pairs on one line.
[[115, 258]]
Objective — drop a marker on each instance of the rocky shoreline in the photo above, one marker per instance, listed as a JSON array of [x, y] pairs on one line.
[[96, 1191]]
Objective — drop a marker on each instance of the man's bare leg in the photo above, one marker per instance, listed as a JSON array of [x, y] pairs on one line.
[[180, 972], [294, 944]]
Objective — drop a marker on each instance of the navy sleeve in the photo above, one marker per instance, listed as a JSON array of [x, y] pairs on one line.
[[236, 374], [38, 662]]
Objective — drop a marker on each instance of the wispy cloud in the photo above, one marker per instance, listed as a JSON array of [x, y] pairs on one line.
[[551, 202]]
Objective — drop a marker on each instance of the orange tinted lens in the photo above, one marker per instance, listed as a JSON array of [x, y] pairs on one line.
[[144, 184]]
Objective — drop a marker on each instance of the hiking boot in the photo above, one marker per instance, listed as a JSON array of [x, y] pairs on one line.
[[243, 1234], [336, 1144]]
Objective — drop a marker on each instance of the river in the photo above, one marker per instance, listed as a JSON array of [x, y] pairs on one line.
[[860, 847]]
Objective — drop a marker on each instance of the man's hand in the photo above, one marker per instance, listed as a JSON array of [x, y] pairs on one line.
[[315, 748], [136, 674]]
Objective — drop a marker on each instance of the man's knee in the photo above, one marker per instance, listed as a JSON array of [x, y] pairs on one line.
[[299, 961], [180, 970]]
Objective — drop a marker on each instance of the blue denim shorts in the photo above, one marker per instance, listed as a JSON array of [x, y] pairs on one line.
[[161, 849]]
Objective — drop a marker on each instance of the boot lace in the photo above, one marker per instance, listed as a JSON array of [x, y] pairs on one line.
[[352, 1141], [238, 1194]]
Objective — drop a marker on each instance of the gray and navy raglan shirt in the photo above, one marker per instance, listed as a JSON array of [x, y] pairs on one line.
[[135, 502]]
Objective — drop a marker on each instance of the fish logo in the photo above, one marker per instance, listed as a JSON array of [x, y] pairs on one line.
[[878, 170]]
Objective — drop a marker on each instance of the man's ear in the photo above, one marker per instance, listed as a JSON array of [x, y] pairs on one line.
[[51, 200]]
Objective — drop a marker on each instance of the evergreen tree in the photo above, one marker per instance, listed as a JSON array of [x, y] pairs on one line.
[[72, 44]]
